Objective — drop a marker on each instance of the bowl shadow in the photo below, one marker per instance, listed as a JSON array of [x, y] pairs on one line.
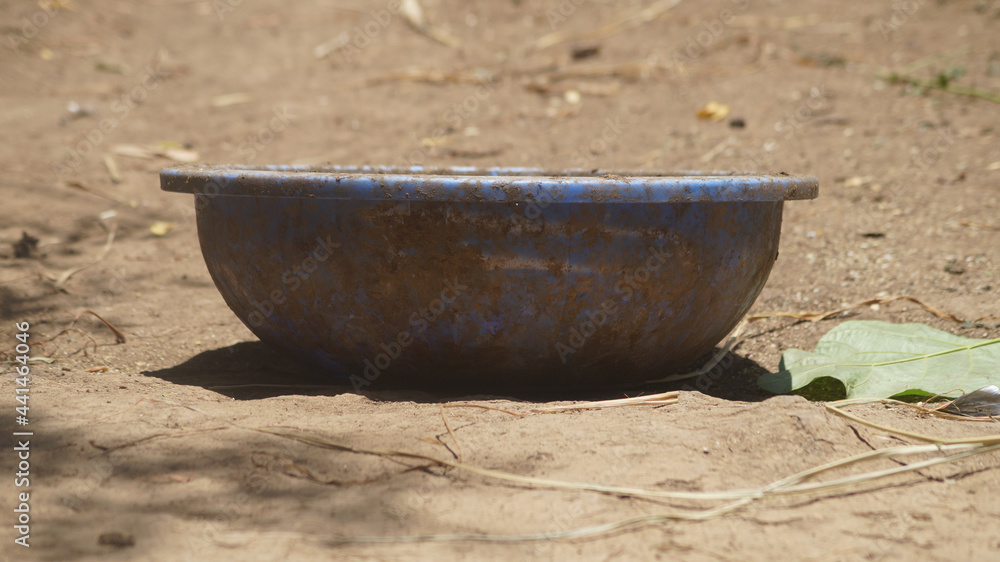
[[254, 371]]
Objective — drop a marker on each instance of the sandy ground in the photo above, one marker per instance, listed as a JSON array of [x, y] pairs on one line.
[[134, 454]]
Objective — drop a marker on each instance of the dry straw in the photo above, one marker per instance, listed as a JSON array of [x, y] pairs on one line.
[[798, 483]]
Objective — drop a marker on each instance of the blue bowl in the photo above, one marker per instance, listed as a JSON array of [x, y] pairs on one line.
[[492, 277]]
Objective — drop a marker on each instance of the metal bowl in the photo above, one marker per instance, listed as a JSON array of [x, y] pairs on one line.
[[488, 278]]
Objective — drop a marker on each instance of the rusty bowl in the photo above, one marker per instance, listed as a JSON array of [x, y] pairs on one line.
[[488, 278]]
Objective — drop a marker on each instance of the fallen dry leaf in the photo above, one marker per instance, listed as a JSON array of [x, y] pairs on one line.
[[714, 111], [161, 228]]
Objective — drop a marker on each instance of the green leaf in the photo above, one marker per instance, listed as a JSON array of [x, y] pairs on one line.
[[882, 360]]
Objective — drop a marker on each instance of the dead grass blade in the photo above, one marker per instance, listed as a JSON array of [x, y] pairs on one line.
[[717, 149], [632, 524], [430, 76], [731, 341], [939, 411], [112, 166], [413, 14], [458, 446], [272, 462], [58, 281], [66, 331], [538, 78], [318, 442], [662, 399], [979, 225], [324, 50], [794, 484], [601, 89], [98, 191], [150, 152], [113, 448], [235, 98], [771, 22], [625, 20], [484, 408], [962, 447], [790, 485], [288, 467], [734, 336], [36, 359], [817, 316], [837, 408], [119, 336], [19, 278], [630, 71], [112, 414]]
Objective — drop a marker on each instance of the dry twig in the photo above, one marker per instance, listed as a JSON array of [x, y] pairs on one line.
[[119, 336]]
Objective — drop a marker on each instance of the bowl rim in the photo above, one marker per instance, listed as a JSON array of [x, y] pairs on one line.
[[479, 185]]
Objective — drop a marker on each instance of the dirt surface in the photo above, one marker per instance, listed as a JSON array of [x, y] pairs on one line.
[[133, 454]]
